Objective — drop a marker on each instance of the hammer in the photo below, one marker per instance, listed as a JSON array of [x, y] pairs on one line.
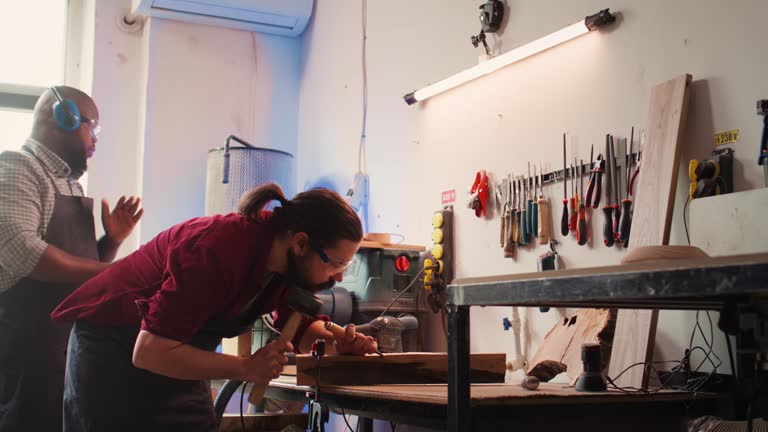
[[303, 303]]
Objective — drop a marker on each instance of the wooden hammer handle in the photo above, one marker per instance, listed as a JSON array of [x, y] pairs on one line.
[[338, 331], [287, 335]]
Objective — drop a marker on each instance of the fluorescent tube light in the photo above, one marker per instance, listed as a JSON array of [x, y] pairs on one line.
[[584, 26]]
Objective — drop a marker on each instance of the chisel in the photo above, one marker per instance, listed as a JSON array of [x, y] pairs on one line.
[[564, 220], [608, 238], [581, 230], [543, 223], [626, 204]]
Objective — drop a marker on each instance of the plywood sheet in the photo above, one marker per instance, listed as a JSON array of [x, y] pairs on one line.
[[651, 219]]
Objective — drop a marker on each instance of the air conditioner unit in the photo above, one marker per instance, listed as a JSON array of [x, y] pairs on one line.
[[281, 17]]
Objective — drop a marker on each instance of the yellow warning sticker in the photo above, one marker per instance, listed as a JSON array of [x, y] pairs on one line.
[[727, 137]]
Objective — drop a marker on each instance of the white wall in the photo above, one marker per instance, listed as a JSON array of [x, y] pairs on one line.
[[113, 74], [206, 83], [592, 86], [168, 94]]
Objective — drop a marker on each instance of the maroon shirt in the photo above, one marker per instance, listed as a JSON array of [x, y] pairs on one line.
[[199, 270]]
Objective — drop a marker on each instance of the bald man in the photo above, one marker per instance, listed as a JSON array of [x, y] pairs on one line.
[[48, 248]]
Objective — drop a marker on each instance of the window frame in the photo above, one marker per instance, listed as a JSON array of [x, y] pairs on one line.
[[19, 97]]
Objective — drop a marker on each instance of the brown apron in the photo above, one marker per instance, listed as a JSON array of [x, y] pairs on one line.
[[33, 350]]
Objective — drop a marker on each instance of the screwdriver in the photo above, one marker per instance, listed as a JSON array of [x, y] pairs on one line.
[[608, 209], [543, 212], [581, 231], [534, 204], [523, 213], [617, 191], [528, 205], [509, 245], [626, 204], [573, 215], [504, 213], [564, 220]]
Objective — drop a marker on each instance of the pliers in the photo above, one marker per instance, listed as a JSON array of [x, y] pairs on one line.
[[595, 182]]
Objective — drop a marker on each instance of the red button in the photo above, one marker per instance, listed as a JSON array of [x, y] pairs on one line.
[[402, 263]]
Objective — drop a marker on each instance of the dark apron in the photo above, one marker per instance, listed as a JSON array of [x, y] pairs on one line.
[[33, 349], [105, 392]]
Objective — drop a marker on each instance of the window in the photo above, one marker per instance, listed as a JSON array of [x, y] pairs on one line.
[[32, 46]]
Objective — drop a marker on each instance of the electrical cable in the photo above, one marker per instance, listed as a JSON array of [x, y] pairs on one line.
[[692, 385], [361, 150], [418, 316], [344, 416], [403, 291], [685, 220], [442, 321], [242, 420], [730, 354]]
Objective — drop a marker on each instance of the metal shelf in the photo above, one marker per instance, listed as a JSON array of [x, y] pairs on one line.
[[701, 283], [681, 284]]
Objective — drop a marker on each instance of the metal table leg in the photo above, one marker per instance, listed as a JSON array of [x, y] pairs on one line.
[[366, 424], [459, 407]]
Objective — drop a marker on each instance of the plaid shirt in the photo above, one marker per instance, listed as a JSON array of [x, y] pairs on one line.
[[27, 196]]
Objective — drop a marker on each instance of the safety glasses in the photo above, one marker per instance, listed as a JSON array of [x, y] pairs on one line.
[[92, 124], [338, 264]]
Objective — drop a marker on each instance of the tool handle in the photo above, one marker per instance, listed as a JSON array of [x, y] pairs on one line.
[[573, 218], [581, 231], [632, 181], [564, 220], [626, 221], [598, 190], [287, 335], [616, 220], [529, 222], [523, 226], [514, 234], [338, 331], [608, 238], [591, 187], [543, 222], [509, 244], [503, 229], [763, 142], [534, 219]]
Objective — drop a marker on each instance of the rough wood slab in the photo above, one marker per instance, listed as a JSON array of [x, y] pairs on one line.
[[561, 349], [266, 422], [653, 206], [395, 368]]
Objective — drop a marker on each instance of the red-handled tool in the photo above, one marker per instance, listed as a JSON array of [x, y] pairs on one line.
[[564, 220], [608, 238], [594, 188], [581, 230], [574, 202]]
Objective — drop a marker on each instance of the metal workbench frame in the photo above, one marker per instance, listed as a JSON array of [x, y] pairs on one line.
[[684, 284]]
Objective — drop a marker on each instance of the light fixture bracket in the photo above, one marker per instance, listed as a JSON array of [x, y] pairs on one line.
[[599, 19], [491, 15]]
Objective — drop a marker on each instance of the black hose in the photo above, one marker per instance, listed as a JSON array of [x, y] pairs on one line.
[[222, 399]]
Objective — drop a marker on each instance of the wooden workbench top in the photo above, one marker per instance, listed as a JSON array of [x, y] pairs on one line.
[[490, 394]]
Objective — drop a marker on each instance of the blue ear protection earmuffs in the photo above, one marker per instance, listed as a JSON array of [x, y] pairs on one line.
[[65, 112]]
